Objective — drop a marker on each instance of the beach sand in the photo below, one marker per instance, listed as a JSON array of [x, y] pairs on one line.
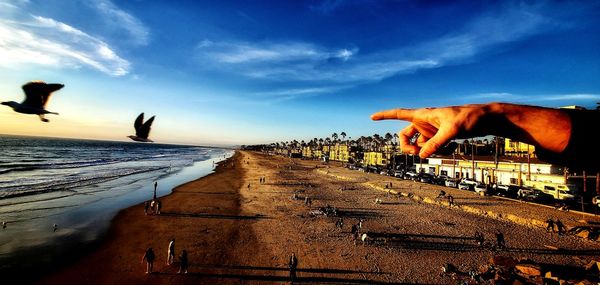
[[239, 234]]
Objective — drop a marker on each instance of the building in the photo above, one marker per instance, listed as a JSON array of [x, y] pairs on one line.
[[508, 170], [514, 148]]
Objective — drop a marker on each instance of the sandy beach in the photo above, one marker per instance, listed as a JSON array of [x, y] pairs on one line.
[[238, 230]]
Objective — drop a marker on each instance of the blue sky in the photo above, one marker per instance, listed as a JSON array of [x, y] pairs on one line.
[[241, 72]]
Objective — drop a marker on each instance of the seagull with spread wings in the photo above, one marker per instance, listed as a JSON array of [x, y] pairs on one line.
[[142, 130], [37, 94]]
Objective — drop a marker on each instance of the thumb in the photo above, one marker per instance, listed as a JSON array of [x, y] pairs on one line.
[[439, 140]]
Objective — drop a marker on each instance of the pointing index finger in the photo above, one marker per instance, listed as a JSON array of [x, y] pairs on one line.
[[394, 114]]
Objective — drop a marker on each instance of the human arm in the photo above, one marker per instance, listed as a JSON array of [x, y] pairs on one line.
[[543, 127]]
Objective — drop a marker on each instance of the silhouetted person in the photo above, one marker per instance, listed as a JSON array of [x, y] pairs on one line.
[[146, 206], [183, 262], [4, 225], [37, 94], [142, 130], [442, 194], [479, 238], [560, 227], [549, 225], [158, 207], [171, 252], [500, 240], [450, 200], [293, 264], [149, 258]]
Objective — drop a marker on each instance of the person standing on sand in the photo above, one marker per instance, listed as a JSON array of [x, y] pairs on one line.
[[171, 252], [293, 264], [146, 205], [149, 258], [560, 227], [183, 262], [450, 201], [549, 225], [158, 206], [152, 205], [500, 240]]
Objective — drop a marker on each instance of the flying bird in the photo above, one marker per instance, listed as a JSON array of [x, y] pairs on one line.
[[37, 94], [142, 130]]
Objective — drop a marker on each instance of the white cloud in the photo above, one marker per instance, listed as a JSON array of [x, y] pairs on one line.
[[120, 19], [30, 39]]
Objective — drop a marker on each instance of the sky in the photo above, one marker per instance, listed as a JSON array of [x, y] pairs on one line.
[[246, 72]]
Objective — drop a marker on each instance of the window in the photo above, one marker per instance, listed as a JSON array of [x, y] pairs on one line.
[[514, 181], [444, 172], [549, 188]]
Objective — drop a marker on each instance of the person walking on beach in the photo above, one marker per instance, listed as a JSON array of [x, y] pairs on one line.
[[183, 262], [149, 258], [153, 206], [158, 206], [171, 252], [560, 227], [549, 225], [450, 200], [146, 206], [293, 265], [479, 238], [3, 225], [500, 243]]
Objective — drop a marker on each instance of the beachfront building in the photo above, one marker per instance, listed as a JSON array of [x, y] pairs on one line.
[[514, 148], [374, 158], [339, 152], [508, 171]]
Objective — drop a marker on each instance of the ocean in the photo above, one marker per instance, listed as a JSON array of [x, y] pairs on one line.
[[80, 185]]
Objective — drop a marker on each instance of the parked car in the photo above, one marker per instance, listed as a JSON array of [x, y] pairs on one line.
[[465, 186], [410, 175], [469, 181], [425, 178], [450, 183], [506, 190], [481, 189], [534, 195], [384, 172], [399, 173]]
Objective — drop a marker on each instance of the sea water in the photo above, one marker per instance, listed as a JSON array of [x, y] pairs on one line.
[[80, 185]]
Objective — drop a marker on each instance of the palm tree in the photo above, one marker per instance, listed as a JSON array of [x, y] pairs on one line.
[[334, 137], [343, 134]]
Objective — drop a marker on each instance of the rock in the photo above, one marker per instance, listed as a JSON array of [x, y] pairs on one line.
[[584, 234], [593, 267], [503, 261], [532, 270], [584, 282]]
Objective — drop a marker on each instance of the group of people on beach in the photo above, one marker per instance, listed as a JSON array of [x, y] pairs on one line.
[[560, 227], [149, 257], [152, 207]]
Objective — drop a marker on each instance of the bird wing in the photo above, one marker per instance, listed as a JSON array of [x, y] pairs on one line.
[[38, 93], [144, 131], [49, 89], [139, 121], [33, 94]]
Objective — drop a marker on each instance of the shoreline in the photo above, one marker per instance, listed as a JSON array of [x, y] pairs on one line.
[[81, 230], [130, 226]]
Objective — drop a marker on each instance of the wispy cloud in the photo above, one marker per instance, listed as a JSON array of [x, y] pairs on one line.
[[27, 39], [302, 61], [120, 19]]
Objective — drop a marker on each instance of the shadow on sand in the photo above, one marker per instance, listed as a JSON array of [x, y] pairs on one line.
[[278, 274], [213, 216]]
